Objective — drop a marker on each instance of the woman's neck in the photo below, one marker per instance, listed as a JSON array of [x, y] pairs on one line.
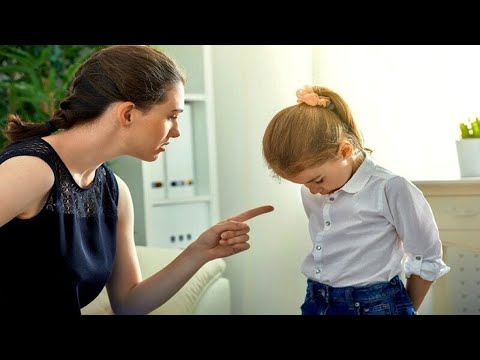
[[83, 149]]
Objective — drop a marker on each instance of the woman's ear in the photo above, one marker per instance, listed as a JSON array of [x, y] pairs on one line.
[[125, 113], [345, 150]]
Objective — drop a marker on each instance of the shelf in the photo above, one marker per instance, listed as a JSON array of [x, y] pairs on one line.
[[189, 200], [461, 181], [466, 187], [194, 97]]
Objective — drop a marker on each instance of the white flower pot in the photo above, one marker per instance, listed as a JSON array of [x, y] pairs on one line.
[[468, 152]]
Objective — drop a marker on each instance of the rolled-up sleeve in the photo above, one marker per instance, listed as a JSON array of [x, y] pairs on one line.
[[411, 215]]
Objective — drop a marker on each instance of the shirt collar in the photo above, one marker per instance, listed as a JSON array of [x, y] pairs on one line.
[[358, 181]]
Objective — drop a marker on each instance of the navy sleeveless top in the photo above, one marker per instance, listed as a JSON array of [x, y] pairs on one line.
[[59, 261]]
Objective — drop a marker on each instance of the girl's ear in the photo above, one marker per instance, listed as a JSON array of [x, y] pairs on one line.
[[345, 150], [125, 113]]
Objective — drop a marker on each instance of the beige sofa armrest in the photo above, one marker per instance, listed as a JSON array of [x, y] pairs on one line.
[[216, 299], [187, 299]]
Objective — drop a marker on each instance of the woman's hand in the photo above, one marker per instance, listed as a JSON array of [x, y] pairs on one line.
[[229, 236]]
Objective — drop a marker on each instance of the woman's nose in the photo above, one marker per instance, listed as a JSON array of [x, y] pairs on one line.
[[175, 132]]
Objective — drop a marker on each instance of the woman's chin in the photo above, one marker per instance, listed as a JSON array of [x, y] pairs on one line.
[[152, 157], [158, 151]]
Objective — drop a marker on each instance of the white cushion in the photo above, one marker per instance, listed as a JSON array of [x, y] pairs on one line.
[[185, 301]]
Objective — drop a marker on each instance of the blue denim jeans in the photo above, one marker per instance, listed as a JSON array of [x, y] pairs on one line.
[[385, 298]]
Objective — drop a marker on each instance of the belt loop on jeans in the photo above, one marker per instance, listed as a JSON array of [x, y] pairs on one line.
[[316, 290], [325, 293], [396, 282], [349, 295]]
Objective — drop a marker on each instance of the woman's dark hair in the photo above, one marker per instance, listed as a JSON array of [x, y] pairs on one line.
[[135, 73]]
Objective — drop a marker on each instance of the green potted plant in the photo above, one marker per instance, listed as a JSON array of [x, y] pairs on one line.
[[35, 78], [468, 148]]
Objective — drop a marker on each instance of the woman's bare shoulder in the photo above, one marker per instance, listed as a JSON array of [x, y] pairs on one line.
[[24, 182]]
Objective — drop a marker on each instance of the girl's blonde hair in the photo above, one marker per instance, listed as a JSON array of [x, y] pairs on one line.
[[301, 136]]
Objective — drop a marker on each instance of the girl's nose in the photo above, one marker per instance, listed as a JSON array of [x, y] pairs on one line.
[[314, 189]]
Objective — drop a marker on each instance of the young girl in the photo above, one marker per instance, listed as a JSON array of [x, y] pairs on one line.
[[363, 218]]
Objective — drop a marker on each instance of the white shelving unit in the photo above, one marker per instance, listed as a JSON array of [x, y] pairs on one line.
[[166, 217]]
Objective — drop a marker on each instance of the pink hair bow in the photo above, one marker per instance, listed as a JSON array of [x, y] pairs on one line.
[[309, 97]]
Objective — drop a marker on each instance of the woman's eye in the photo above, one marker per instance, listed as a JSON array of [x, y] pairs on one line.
[[319, 181]]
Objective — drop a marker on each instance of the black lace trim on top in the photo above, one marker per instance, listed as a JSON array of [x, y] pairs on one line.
[[66, 196]]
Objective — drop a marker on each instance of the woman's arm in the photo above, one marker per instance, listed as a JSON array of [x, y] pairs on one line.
[[130, 295]]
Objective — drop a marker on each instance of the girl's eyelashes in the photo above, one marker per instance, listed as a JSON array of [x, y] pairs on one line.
[[318, 181]]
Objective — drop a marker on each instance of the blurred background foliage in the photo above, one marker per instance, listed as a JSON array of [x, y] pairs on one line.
[[35, 78]]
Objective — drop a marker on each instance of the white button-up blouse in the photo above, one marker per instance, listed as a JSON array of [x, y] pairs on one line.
[[361, 232]]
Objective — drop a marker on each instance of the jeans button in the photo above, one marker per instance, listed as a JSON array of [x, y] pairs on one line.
[[357, 304]]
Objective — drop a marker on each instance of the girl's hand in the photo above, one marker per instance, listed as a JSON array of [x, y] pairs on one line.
[[229, 236]]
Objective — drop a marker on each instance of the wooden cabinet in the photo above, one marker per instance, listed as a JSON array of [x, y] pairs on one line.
[[456, 207]]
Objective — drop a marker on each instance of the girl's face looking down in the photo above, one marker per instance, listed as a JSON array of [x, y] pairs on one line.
[[329, 176]]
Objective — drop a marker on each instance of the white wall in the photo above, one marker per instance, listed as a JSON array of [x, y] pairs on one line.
[[408, 100], [252, 83]]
